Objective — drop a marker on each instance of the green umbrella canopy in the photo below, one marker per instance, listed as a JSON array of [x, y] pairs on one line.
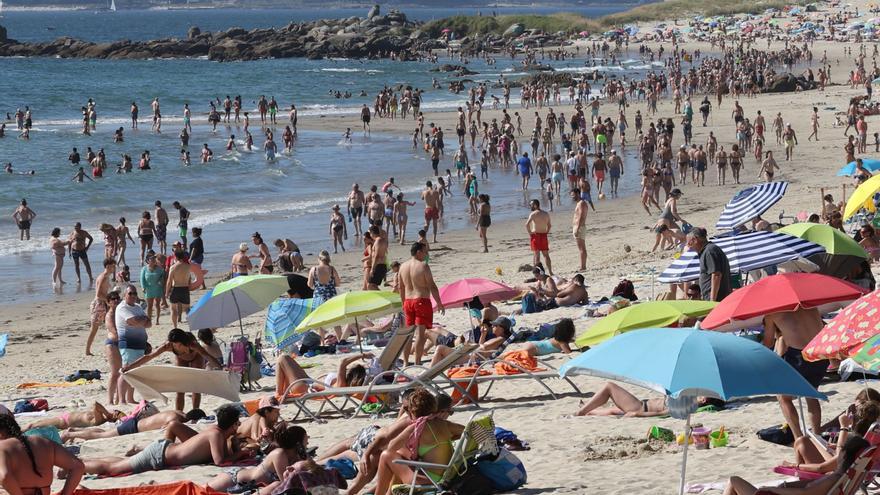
[[643, 315], [346, 308], [834, 241]]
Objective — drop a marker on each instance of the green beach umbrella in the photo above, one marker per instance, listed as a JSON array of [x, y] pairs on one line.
[[348, 307], [643, 315], [236, 298], [841, 254]]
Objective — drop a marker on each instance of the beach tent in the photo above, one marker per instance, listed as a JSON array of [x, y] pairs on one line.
[[684, 363]]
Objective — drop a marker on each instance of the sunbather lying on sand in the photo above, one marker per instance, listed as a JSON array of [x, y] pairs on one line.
[[133, 425], [366, 446], [26, 463], [811, 456], [851, 449], [288, 371], [627, 404], [96, 417], [208, 446], [292, 444], [563, 335]]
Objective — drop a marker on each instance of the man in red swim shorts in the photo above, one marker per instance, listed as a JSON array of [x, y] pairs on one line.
[[416, 284], [538, 226], [432, 207]]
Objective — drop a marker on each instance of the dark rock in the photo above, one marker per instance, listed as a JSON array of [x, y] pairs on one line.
[[193, 32], [374, 12], [787, 83], [236, 32], [3, 37], [514, 30]]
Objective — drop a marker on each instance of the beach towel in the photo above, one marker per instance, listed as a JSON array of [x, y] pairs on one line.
[[520, 358], [81, 381], [462, 377], [153, 381], [176, 488]]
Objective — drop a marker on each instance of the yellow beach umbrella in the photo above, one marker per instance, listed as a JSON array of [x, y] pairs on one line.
[[862, 197]]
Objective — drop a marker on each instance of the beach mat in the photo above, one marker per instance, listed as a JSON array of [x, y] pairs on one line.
[[154, 381], [176, 488]]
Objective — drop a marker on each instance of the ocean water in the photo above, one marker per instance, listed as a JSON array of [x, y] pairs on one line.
[[239, 192]]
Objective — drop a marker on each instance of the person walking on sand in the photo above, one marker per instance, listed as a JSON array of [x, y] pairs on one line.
[[177, 286], [365, 118], [579, 226], [98, 307], [417, 286], [790, 139], [23, 217], [80, 242], [484, 220], [431, 197], [356, 203], [338, 230], [538, 227], [379, 257]]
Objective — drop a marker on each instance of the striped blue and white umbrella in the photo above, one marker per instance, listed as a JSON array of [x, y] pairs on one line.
[[749, 203], [745, 252]]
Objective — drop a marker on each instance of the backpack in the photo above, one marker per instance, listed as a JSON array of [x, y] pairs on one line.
[[471, 482], [625, 289], [529, 304], [505, 471]]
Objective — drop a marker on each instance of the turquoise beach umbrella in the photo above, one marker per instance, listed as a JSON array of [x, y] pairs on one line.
[[283, 316], [683, 364], [850, 168], [234, 299]]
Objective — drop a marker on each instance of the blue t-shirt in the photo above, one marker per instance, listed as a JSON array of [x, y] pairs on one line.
[[525, 165]]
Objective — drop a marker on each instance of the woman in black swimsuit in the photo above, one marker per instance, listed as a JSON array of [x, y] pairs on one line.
[[146, 231], [188, 353], [485, 220]]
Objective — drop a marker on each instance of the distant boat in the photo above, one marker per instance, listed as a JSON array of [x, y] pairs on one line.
[[112, 5]]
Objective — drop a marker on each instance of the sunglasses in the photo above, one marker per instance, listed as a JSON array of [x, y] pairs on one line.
[[131, 293]]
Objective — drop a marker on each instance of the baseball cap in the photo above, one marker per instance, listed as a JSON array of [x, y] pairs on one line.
[[503, 321], [268, 402]]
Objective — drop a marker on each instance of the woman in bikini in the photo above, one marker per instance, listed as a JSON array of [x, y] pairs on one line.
[[146, 232], [59, 249], [768, 167], [122, 233], [259, 428], [870, 242], [324, 279], [401, 217], [111, 345], [288, 372], [429, 439], [736, 162], [97, 416], [627, 404], [188, 353], [648, 189], [292, 444], [28, 462], [485, 220]]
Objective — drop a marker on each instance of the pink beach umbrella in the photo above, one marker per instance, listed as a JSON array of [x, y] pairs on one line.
[[462, 292], [445, 30]]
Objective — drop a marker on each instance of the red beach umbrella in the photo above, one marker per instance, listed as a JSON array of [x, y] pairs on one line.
[[746, 307], [845, 333], [459, 293]]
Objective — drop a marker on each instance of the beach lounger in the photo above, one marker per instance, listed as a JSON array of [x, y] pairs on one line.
[[384, 387], [486, 372], [478, 438], [854, 478]]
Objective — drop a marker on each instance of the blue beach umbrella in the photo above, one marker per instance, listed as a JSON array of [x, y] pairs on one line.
[[234, 299], [850, 168], [683, 364], [282, 319]]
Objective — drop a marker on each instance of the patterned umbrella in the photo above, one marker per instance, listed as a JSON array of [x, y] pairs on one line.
[[750, 203], [867, 355], [282, 318], [845, 333]]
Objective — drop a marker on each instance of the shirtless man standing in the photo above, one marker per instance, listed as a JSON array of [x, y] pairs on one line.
[[416, 285], [27, 463], [161, 217], [23, 217], [432, 207], [796, 329], [207, 446], [177, 287], [378, 255], [579, 225], [80, 242], [538, 226], [98, 308], [356, 208]]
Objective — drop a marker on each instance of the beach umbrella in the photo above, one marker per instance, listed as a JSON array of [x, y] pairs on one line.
[[282, 318], [462, 292], [842, 253], [850, 168], [234, 299], [643, 315], [861, 195], [747, 306], [745, 252], [844, 334], [445, 30], [867, 355], [684, 363], [348, 307], [750, 203]]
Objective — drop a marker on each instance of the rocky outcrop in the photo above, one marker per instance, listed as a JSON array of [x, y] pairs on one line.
[[372, 37], [786, 83], [514, 30]]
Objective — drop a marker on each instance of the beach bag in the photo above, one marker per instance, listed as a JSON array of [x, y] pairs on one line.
[[505, 471], [529, 304], [471, 482], [780, 435]]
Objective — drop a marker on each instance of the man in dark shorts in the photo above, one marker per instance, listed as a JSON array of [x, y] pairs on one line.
[[796, 329], [177, 286], [80, 242], [379, 253], [365, 118]]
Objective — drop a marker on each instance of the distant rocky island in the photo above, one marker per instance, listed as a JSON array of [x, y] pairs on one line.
[[373, 36], [195, 4]]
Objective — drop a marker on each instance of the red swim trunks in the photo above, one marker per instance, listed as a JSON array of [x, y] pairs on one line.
[[431, 214], [419, 312], [600, 174], [539, 242]]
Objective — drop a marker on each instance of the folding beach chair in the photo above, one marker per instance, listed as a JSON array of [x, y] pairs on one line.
[[486, 372], [377, 390], [478, 438], [854, 478]]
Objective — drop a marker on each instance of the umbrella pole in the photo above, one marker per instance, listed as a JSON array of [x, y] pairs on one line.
[[357, 329], [237, 308], [684, 460], [803, 418]]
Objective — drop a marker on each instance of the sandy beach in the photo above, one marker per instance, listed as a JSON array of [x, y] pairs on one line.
[[568, 454]]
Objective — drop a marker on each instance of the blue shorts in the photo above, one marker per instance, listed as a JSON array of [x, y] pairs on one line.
[[130, 355]]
